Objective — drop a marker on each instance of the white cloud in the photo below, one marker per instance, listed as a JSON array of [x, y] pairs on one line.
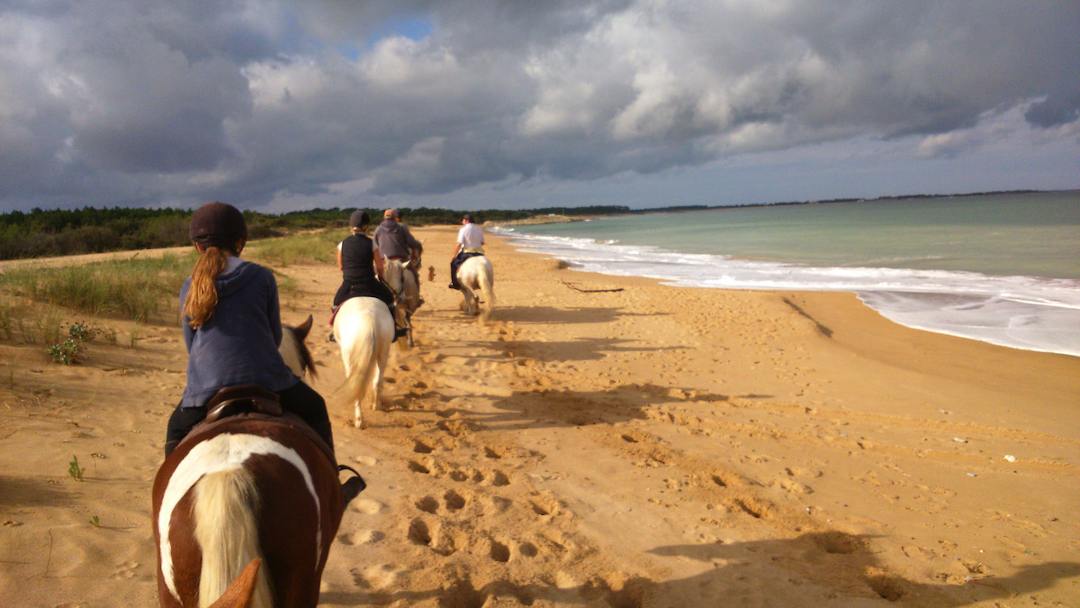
[[103, 103]]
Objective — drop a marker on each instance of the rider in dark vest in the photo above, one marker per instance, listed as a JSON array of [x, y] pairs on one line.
[[358, 260]]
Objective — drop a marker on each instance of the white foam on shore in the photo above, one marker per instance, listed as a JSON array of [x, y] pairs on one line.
[[1029, 313]]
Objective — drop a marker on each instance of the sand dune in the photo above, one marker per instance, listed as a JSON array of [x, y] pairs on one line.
[[648, 447]]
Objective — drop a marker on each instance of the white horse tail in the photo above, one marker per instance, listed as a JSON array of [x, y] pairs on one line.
[[485, 275], [362, 361], [228, 535]]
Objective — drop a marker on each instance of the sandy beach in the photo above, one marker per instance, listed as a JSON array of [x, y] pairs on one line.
[[599, 442]]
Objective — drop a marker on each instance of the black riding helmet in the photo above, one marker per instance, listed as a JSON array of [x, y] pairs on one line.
[[359, 219], [218, 225]]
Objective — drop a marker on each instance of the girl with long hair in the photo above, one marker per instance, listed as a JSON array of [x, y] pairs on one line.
[[232, 328]]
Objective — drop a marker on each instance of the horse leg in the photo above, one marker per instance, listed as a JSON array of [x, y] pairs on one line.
[[382, 358], [467, 295]]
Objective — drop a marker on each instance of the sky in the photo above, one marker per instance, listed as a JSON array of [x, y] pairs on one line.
[[470, 104]]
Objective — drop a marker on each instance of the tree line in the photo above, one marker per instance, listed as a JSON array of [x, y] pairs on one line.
[[52, 232]]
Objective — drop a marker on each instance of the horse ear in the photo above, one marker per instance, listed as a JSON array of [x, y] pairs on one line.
[[303, 329], [239, 593]]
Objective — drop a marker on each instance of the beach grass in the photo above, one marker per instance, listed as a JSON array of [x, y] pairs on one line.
[[135, 289], [309, 248]]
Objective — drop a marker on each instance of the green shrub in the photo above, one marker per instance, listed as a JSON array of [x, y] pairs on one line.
[[74, 469], [67, 352]]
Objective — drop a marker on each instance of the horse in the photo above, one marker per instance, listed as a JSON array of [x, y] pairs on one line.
[[475, 274], [364, 330], [403, 284], [251, 499]]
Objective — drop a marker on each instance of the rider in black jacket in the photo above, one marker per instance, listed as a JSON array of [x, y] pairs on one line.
[[359, 262]]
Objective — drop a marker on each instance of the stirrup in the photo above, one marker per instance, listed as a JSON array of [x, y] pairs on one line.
[[351, 487]]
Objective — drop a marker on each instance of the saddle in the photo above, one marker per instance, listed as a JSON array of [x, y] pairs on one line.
[[254, 399], [242, 399]]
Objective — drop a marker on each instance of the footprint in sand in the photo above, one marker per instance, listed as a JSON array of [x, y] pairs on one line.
[[374, 577], [793, 487], [367, 506], [500, 504], [126, 570], [361, 537], [428, 504], [454, 501], [419, 533], [752, 507], [499, 552]]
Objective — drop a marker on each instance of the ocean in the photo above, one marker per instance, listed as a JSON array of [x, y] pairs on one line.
[[1001, 268]]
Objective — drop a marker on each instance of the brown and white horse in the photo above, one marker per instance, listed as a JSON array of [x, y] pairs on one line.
[[403, 284], [245, 491]]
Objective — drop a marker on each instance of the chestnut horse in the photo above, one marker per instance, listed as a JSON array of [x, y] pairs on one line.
[[253, 499]]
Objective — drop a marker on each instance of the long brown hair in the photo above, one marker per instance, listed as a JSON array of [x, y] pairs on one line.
[[202, 296]]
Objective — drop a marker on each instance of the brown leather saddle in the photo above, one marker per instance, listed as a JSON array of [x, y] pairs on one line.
[[242, 399]]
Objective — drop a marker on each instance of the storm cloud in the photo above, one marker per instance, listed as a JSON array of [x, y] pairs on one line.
[[105, 102]]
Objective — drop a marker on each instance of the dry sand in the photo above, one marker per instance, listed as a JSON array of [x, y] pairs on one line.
[[647, 447]]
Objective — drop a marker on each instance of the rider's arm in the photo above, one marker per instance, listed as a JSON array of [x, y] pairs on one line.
[[457, 249], [189, 333], [412, 243], [273, 312], [340, 266], [376, 255]]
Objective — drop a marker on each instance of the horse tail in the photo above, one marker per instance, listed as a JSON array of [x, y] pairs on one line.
[[228, 535], [486, 277], [362, 361]]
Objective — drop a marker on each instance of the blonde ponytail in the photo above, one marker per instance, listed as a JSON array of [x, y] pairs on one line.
[[202, 296]]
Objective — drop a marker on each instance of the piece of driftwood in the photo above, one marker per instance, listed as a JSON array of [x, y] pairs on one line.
[[576, 288]]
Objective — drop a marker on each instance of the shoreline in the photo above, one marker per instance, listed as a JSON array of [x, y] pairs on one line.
[[959, 303], [652, 447]]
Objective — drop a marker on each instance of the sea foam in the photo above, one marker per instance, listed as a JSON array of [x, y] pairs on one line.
[[1029, 313]]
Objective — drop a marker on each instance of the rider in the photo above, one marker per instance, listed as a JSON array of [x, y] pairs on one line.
[[470, 242], [359, 261], [232, 328], [394, 240]]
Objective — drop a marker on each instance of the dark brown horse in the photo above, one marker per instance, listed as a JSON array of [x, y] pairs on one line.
[[242, 490]]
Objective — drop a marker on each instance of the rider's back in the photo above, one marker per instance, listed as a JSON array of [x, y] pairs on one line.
[[238, 344], [394, 240]]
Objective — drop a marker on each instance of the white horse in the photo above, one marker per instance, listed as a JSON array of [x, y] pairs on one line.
[[475, 274], [364, 331], [402, 283]]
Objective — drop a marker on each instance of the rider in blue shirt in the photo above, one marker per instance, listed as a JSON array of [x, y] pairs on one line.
[[232, 328]]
